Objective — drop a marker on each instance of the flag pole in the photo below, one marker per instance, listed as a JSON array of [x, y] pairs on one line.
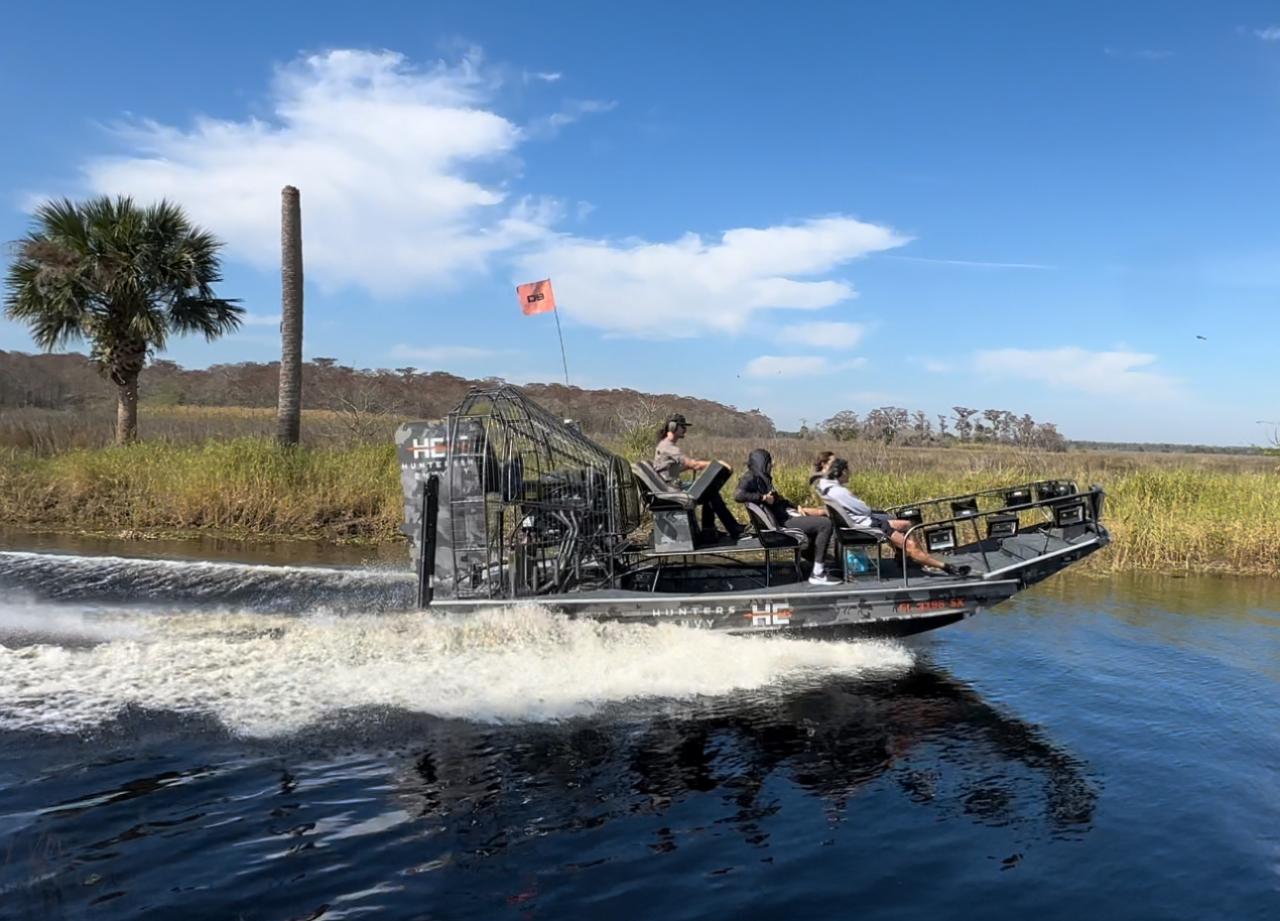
[[563, 360]]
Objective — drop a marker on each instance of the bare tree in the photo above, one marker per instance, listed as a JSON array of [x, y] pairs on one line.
[[921, 430], [964, 428], [638, 423]]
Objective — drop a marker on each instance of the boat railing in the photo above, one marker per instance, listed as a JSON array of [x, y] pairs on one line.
[[1073, 508], [1035, 490]]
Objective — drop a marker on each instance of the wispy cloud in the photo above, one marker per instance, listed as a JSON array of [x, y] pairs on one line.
[[442, 352], [542, 76], [970, 263], [1269, 34], [872, 398], [383, 152], [570, 112], [828, 335], [933, 365], [249, 318], [693, 285], [773, 366], [1118, 374]]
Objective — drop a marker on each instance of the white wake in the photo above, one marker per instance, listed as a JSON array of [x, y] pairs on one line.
[[269, 675]]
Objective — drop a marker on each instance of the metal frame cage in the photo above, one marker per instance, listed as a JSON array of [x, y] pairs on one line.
[[535, 507]]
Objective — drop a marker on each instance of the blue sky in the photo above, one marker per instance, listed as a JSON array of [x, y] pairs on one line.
[[1033, 207]]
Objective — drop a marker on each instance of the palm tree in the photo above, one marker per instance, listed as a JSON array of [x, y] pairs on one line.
[[289, 402], [122, 277]]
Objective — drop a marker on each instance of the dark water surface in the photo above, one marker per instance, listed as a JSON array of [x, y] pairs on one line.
[[185, 740]]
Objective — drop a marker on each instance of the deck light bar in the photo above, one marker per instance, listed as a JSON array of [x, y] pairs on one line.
[[943, 538]]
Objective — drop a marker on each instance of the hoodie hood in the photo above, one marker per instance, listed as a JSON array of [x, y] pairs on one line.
[[760, 462]]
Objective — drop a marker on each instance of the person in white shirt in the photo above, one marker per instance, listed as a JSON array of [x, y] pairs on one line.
[[832, 488]]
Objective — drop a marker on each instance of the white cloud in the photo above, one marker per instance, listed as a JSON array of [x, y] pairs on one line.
[[542, 76], [384, 155], [690, 286], [933, 365], [249, 318], [1114, 374], [1269, 34], [830, 335], [442, 352], [772, 366]]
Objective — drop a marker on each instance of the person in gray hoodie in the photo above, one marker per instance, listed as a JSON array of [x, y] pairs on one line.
[[831, 486]]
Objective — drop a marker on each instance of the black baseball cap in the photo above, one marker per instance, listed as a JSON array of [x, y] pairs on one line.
[[678, 419]]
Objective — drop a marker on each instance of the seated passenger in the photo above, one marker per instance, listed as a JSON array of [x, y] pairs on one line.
[[756, 486], [831, 487], [820, 464], [669, 462]]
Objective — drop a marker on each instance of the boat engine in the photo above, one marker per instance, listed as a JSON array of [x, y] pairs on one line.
[[527, 505]]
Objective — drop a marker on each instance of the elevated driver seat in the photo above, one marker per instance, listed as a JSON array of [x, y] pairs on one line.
[[674, 525]]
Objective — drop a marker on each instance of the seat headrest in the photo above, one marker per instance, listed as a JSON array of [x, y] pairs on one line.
[[648, 478]]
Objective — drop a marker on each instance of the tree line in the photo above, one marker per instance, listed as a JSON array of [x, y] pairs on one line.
[[895, 425], [71, 381]]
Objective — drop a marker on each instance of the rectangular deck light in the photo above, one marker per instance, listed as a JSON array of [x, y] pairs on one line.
[[964, 508], [1001, 526], [1054, 489], [1019, 496], [943, 538], [911, 514], [1068, 514]]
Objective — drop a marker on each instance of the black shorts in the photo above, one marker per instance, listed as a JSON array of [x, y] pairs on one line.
[[880, 522]]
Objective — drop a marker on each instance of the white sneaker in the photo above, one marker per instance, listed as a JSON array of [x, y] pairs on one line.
[[825, 579]]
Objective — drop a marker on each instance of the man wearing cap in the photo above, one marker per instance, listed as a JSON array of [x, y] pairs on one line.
[[669, 462]]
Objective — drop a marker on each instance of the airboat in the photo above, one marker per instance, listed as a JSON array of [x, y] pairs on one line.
[[506, 504]]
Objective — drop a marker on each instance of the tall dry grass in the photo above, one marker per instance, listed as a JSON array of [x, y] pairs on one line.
[[1167, 513], [247, 487]]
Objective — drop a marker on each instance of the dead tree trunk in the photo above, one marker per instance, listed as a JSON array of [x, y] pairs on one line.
[[289, 406]]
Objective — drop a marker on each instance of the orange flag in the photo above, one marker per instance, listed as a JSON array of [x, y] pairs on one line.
[[536, 297]]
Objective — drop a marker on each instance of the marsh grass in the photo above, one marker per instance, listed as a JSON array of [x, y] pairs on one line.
[[1167, 513], [244, 486]]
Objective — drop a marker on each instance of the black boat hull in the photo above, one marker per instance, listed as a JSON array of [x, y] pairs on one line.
[[799, 610], [864, 607]]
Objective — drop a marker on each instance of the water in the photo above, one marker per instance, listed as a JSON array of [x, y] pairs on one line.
[[222, 740]]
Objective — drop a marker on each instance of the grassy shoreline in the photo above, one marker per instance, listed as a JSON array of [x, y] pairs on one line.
[[1163, 518]]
